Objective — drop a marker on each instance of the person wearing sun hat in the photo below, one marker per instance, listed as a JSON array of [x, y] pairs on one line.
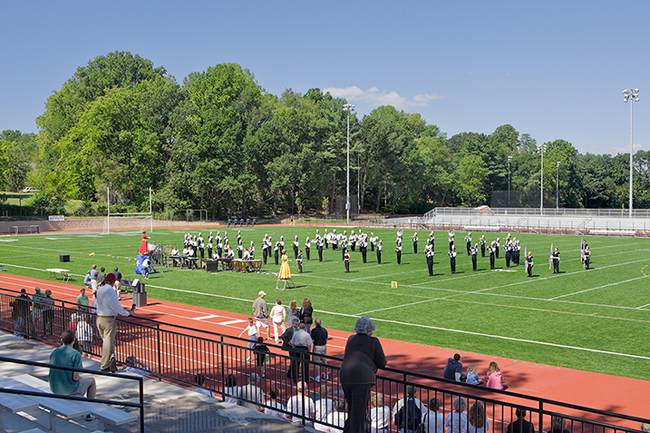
[[108, 307]]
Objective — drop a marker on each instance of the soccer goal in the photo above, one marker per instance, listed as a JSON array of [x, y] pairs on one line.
[[127, 223]]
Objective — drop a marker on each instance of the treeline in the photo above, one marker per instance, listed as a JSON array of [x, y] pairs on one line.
[[220, 142]]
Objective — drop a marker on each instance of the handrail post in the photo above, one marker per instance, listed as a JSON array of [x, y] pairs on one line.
[[159, 352], [141, 384]]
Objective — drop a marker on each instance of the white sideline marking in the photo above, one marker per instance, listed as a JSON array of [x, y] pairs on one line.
[[211, 316], [231, 322], [642, 306], [596, 288], [8, 240]]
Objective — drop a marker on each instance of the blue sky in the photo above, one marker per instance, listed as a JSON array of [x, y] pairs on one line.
[[553, 69]]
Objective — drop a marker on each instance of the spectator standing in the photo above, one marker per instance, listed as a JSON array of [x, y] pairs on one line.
[[363, 356], [93, 277], [286, 338], [319, 336], [101, 277], [306, 314], [302, 342], [67, 382], [48, 313], [293, 312], [521, 425], [261, 352], [108, 308], [82, 300], [37, 311], [20, 312], [118, 282], [261, 314], [454, 369], [278, 317]]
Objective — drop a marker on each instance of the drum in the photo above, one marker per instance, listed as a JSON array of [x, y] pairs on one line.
[[256, 265], [237, 265]]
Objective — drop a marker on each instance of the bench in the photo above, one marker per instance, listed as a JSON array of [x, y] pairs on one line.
[[14, 403], [106, 414], [68, 409]]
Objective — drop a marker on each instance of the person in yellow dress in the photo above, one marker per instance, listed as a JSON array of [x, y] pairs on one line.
[[285, 272]]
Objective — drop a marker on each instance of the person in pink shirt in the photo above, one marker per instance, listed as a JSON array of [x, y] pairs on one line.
[[278, 317], [494, 377]]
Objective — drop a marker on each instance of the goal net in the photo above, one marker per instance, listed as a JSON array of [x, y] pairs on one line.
[[127, 223]]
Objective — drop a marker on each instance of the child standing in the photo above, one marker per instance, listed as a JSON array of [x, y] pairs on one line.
[[261, 352], [252, 332]]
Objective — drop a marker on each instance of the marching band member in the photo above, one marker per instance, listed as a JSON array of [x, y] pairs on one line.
[[452, 234], [452, 259], [398, 250], [307, 247], [414, 238], [429, 253], [468, 241], [378, 249]]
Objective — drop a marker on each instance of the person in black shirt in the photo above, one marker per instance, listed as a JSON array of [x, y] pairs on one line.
[[319, 336], [261, 351], [521, 425]]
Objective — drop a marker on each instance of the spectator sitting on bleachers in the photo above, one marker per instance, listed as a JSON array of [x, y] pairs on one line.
[[433, 421], [67, 382], [558, 425], [252, 393], [477, 419], [409, 417], [645, 427], [84, 336], [324, 406], [298, 401], [275, 404], [454, 369], [457, 420], [379, 415], [199, 380], [410, 390], [472, 376], [337, 417], [521, 425], [231, 389], [494, 377]]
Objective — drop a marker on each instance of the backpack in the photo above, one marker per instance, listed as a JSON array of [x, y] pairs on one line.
[[409, 416]]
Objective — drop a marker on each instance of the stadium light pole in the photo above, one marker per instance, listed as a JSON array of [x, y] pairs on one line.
[[631, 95], [349, 108], [557, 187], [358, 183], [509, 159], [541, 184]]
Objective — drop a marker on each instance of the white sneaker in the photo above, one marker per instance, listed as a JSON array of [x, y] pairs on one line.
[[325, 377], [248, 359], [317, 379]]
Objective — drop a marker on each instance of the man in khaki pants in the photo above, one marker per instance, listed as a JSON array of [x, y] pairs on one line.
[[108, 307]]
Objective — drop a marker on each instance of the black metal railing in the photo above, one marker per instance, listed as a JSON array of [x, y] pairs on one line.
[[181, 354]]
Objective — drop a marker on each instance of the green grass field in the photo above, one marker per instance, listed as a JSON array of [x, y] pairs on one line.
[[596, 320]]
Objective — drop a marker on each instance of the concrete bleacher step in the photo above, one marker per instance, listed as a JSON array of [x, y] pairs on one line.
[[34, 430], [14, 403], [66, 408], [106, 414]]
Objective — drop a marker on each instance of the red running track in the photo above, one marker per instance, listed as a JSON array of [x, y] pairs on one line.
[[600, 391]]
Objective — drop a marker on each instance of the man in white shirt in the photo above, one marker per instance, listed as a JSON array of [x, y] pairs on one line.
[[302, 342], [296, 403], [108, 307], [252, 393]]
